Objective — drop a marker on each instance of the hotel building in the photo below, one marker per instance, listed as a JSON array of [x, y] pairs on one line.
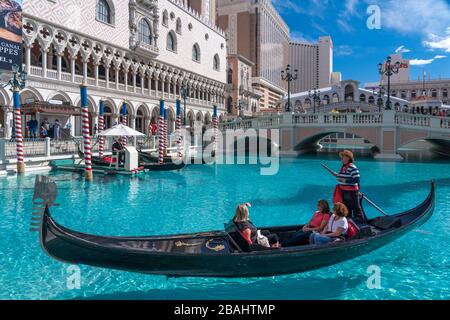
[[314, 62], [127, 51], [257, 33]]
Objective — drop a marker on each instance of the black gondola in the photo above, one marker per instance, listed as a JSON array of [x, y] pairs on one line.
[[210, 254], [143, 162]]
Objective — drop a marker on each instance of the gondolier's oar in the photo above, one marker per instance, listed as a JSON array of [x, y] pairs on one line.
[[364, 196]]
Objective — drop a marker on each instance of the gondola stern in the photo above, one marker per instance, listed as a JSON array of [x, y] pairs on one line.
[[45, 193]]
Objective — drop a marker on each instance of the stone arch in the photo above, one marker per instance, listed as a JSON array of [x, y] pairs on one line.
[[154, 115], [171, 117], [92, 105], [190, 118], [362, 97], [349, 93], [65, 97], [199, 116], [5, 99], [29, 93], [307, 140], [207, 119], [142, 112], [335, 98]]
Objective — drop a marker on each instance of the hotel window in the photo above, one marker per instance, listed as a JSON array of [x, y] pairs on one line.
[[171, 42], [445, 93], [165, 19], [178, 28], [196, 53], [434, 93], [414, 94], [145, 34], [216, 65], [104, 11]]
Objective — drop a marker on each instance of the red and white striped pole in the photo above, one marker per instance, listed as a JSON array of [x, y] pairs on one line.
[[178, 129], [101, 127], [124, 122], [216, 127], [18, 128], [166, 132], [86, 133], [161, 132]]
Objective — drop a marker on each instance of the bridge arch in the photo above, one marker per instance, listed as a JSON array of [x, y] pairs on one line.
[[309, 141]]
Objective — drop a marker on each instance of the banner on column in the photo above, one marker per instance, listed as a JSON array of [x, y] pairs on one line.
[[10, 34]]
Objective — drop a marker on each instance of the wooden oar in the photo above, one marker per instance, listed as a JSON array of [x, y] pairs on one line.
[[364, 196]]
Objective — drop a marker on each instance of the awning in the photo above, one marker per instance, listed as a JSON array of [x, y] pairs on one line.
[[49, 108]]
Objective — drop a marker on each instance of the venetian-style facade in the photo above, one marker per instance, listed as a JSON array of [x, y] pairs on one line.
[[133, 52]]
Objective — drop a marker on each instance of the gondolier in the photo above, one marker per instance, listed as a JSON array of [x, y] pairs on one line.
[[347, 191]]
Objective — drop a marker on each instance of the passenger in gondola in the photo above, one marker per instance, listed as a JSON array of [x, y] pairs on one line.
[[118, 151], [336, 228], [347, 191], [317, 223], [249, 231]]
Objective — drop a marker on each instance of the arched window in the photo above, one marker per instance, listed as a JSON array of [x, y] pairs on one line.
[[196, 53], [165, 19], [145, 33], [216, 64], [178, 28], [104, 11], [171, 42]]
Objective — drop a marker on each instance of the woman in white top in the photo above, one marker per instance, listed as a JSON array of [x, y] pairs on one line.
[[337, 226]]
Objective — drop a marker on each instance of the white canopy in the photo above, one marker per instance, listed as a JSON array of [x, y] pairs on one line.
[[120, 130]]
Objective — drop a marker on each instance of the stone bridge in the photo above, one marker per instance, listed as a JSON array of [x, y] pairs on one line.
[[388, 130]]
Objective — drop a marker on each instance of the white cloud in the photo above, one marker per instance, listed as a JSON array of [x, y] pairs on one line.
[[402, 49], [439, 42], [420, 62], [415, 16]]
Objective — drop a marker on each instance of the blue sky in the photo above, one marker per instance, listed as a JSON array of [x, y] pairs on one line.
[[418, 28]]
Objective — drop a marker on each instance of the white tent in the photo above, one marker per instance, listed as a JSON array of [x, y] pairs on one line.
[[120, 130]]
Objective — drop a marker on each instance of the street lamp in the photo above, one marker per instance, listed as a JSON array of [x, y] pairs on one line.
[[388, 69], [17, 83], [315, 96], [185, 92], [18, 80], [287, 75], [380, 92]]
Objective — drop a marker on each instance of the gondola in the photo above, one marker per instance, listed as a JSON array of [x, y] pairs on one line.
[[210, 254], [143, 162]]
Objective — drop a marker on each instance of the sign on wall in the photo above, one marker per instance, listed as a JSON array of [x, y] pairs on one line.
[[10, 34]]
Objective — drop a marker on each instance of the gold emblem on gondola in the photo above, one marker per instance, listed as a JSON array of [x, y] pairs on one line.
[[184, 244], [217, 248]]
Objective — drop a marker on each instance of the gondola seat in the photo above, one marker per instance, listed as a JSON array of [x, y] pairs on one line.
[[239, 241]]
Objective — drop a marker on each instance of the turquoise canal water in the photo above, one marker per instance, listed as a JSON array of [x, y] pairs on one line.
[[202, 198]]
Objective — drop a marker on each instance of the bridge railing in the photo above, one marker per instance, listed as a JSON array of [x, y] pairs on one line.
[[360, 119]]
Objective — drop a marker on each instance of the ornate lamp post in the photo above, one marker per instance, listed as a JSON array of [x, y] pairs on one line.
[[185, 92], [287, 75], [380, 92], [17, 83], [315, 96], [388, 69]]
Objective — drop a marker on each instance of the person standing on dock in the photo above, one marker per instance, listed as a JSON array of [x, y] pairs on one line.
[[347, 191]]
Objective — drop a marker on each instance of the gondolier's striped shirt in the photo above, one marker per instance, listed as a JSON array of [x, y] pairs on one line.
[[351, 175]]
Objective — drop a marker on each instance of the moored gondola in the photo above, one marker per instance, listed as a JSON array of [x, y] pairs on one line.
[[210, 254], [106, 162]]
